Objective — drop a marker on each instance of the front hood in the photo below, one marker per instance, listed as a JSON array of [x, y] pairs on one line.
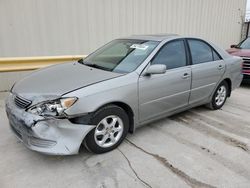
[[239, 52], [60, 79]]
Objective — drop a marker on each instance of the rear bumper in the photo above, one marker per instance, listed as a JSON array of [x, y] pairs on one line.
[[49, 136]]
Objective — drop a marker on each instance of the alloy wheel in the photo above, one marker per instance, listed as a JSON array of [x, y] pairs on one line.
[[220, 95], [108, 131]]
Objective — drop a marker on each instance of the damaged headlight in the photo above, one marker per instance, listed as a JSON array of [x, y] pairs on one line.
[[52, 108]]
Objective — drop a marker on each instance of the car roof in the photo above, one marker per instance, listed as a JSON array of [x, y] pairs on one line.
[[161, 37], [155, 37]]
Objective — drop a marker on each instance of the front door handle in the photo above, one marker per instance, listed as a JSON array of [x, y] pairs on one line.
[[185, 76]]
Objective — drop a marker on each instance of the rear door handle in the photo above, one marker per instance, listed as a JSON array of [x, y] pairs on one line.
[[220, 67], [185, 76]]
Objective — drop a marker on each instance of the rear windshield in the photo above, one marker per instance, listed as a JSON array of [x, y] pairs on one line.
[[121, 56]]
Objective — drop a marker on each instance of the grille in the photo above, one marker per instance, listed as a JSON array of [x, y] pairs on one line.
[[246, 66], [21, 102]]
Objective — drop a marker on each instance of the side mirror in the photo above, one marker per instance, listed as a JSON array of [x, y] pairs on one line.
[[233, 46], [156, 69]]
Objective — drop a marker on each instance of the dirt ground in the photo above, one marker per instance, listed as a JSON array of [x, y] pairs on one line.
[[197, 148]]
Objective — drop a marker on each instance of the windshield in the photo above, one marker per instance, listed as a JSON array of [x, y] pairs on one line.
[[121, 56], [245, 44]]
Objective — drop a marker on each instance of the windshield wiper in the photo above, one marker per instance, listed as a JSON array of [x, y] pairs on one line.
[[81, 61], [97, 66]]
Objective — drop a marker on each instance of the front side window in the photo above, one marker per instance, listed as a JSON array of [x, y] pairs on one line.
[[173, 55], [121, 56], [202, 52]]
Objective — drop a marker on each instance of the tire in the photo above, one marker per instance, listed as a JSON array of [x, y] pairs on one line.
[[112, 124], [219, 97]]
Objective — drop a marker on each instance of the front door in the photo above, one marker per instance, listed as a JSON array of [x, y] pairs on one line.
[[163, 93]]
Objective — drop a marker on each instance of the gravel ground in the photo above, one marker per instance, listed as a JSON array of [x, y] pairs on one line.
[[197, 148]]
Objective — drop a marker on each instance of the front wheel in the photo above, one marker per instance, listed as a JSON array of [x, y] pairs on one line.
[[220, 96], [112, 125]]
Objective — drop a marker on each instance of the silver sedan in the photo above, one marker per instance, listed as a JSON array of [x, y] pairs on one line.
[[127, 83]]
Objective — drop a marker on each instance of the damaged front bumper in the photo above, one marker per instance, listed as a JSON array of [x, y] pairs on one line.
[[50, 136]]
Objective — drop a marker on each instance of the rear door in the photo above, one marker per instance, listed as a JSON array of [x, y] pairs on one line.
[[207, 69]]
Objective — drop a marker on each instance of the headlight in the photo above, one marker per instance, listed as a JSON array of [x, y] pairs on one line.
[[52, 108]]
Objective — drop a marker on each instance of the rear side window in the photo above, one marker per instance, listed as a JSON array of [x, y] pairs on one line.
[[216, 56], [202, 52], [172, 54]]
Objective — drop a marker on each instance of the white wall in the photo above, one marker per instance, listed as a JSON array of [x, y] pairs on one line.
[[60, 27]]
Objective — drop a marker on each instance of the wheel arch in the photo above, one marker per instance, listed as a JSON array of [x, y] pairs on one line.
[[127, 109], [86, 118], [229, 84]]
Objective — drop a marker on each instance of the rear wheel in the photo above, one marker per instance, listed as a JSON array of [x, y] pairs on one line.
[[220, 96], [112, 125]]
